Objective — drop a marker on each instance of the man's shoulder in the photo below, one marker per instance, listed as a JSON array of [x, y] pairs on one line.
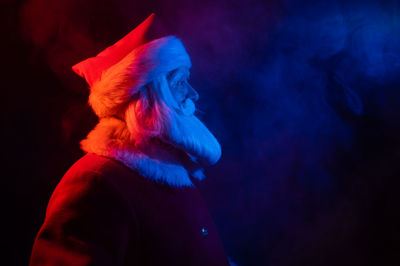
[[93, 166], [91, 176], [91, 170], [96, 164]]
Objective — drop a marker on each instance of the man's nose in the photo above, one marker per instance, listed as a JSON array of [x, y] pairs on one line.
[[192, 93]]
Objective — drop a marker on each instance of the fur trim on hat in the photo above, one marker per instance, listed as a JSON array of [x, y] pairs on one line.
[[121, 82], [111, 138]]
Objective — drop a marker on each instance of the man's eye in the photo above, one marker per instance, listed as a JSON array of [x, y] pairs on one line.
[[180, 92], [181, 86]]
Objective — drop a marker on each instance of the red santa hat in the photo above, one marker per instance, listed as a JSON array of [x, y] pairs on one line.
[[117, 73]]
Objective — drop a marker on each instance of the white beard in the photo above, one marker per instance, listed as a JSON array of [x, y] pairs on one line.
[[194, 143], [154, 160], [188, 133]]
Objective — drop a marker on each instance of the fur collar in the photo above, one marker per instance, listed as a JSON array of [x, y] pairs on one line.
[[111, 138]]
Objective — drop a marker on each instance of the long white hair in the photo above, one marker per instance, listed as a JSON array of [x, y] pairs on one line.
[[149, 115]]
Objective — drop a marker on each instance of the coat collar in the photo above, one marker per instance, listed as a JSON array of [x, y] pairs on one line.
[[163, 164]]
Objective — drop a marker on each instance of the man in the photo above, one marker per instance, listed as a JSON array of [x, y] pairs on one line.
[[130, 200]]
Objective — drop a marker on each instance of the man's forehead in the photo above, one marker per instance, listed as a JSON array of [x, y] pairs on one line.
[[182, 72]]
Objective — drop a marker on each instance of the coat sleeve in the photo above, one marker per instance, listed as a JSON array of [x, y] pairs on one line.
[[87, 223]]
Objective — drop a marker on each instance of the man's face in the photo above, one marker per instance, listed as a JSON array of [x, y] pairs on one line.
[[186, 131], [183, 94]]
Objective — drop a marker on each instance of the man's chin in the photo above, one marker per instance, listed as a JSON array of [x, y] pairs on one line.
[[191, 135]]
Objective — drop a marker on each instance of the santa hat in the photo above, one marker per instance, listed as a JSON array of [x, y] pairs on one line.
[[117, 73]]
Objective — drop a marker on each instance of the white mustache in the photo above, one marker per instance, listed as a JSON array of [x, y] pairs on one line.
[[187, 107]]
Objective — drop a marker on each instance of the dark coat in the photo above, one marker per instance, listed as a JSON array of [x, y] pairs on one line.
[[103, 213]]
